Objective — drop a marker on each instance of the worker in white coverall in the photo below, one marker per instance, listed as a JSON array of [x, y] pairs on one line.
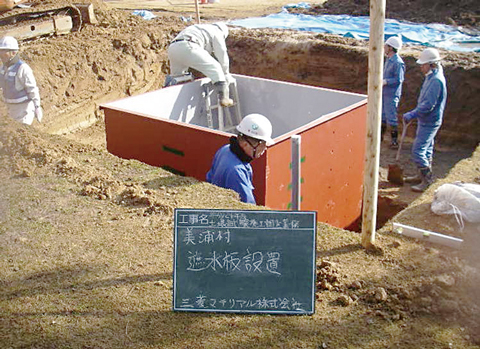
[[393, 76], [231, 167], [203, 48], [20, 91]]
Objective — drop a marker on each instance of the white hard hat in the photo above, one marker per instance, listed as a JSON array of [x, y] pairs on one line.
[[8, 43], [429, 55], [395, 42], [256, 126], [223, 28]]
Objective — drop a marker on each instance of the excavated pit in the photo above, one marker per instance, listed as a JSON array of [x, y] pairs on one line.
[[128, 57], [338, 63]]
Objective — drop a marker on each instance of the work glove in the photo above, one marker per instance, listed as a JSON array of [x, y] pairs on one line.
[[39, 113], [407, 118], [229, 79]]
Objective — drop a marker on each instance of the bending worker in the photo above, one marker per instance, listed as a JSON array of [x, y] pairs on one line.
[[429, 114], [231, 167], [20, 91], [194, 47], [393, 76]]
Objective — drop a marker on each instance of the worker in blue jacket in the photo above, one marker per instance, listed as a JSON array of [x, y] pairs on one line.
[[429, 115], [393, 76], [231, 167]]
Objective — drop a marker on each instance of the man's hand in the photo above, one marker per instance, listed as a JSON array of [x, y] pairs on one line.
[[39, 113], [407, 118]]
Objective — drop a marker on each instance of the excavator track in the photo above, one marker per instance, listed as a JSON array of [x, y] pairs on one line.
[[28, 17], [28, 24]]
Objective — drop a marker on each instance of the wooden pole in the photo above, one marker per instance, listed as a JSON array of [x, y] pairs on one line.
[[374, 110], [197, 11]]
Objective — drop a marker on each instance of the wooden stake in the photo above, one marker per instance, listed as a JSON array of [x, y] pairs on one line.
[[374, 110], [197, 11]]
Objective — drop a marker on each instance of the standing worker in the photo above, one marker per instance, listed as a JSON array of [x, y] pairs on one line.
[[231, 167], [393, 76], [429, 113], [194, 47], [20, 91]]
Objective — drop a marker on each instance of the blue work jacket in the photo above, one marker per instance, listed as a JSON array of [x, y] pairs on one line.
[[432, 100], [393, 74], [228, 171]]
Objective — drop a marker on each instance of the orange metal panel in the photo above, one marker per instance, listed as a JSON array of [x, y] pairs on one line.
[[182, 149], [332, 169]]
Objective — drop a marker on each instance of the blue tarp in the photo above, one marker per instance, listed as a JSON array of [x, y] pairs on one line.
[[437, 35], [145, 14]]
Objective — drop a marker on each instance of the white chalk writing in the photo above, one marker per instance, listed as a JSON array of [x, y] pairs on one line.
[[235, 220], [251, 262], [203, 302]]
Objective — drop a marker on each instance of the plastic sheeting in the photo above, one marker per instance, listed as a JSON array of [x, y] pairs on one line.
[[145, 14], [436, 35]]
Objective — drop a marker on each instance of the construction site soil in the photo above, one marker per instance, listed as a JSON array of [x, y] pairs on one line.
[[86, 237]]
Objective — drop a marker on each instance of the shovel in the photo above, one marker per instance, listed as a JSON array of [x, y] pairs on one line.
[[395, 171]]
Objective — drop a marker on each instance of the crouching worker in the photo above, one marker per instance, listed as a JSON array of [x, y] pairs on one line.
[[429, 115], [231, 167], [203, 48], [20, 91]]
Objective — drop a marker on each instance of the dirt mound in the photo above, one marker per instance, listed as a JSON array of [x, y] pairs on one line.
[[88, 249], [462, 13], [119, 56]]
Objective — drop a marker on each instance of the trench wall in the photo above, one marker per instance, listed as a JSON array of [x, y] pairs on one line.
[[75, 74]]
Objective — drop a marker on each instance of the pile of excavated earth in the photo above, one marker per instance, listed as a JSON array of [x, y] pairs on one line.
[[86, 253]]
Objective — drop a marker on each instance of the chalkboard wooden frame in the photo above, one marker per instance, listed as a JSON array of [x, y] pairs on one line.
[[244, 261]]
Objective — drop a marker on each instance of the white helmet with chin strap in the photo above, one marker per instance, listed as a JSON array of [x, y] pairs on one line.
[[256, 126], [429, 55], [8, 43], [394, 42], [223, 28]]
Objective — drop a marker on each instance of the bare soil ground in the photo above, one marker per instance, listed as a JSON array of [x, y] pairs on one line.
[[86, 252]]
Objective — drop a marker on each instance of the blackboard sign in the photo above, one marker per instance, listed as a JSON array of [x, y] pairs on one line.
[[244, 261]]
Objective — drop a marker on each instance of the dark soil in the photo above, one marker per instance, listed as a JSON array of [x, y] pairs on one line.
[[461, 13]]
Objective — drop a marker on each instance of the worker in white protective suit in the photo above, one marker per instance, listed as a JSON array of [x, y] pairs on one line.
[[20, 91], [203, 48]]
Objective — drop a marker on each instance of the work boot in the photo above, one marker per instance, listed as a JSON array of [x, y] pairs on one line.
[[172, 80], [394, 144], [223, 94], [382, 131], [168, 81], [416, 179], [427, 179]]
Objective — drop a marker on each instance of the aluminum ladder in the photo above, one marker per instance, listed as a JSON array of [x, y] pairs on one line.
[[228, 117]]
